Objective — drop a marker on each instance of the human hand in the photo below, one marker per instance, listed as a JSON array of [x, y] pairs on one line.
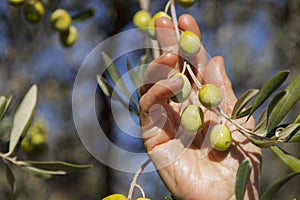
[[187, 164]]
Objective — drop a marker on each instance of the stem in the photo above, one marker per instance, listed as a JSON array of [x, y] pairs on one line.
[[198, 84], [167, 6], [174, 19], [141, 189], [144, 4], [12, 160], [136, 176]]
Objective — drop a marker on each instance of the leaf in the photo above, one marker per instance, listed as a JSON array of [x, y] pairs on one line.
[[297, 120], [270, 191], [23, 118], [4, 105], [133, 75], [295, 137], [57, 166], [262, 121], [244, 112], [169, 197], [242, 102], [104, 86], [242, 179], [81, 16], [268, 88], [115, 76], [10, 177], [261, 141], [41, 173], [292, 162], [286, 133], [283, 106]]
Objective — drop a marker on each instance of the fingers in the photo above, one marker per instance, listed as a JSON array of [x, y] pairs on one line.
[[159, 69], [159, 93], [166, 35]]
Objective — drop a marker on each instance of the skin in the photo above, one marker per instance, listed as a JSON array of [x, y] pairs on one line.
[[186, 163]]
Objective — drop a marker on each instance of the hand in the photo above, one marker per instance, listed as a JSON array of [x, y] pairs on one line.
[[187, 164]]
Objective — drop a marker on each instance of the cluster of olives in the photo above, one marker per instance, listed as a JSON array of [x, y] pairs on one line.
[[61, 21], [35, 143], [34, 10]]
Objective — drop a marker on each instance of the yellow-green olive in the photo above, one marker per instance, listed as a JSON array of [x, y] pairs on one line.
[[141, 19], [69, 36], [115, 197], [185, 92], [33, 11], [210, 96], [141, 198], [60, 20], [16, 3], [192, 118], [220, 137], [151, 26], [189, 43], [186, 3]]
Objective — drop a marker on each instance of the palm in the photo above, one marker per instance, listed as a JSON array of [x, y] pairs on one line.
[[187, 164]]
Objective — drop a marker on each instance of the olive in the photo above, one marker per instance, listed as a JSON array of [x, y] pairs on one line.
[[220, 137], [186, 3], [60, 20], [141, 19], [33, 11], [192, 118], [115, 197], [210, 96], [189, 43], [16, 3], [68, 37], [185, 92], [143, 198], [151, 28]]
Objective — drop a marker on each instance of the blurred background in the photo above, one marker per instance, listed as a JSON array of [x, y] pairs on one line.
[[256, 38]]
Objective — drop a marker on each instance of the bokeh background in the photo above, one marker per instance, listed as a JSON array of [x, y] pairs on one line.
[[257, 39]]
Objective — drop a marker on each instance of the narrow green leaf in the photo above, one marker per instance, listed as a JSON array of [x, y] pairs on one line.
[[23, 118], [292, 162], [295, 137], [277, 97], [10, 177], [41, 173], [115, 76], [261, 141], [262, 121], [242, 102], [271, 191], [57, 166], [81, 16], [268, 88], [287, 132], [284, 105], [297, 120], [4, 105], [104, 86], [133, 75], [169, 198], [244, 112], [242, 179]]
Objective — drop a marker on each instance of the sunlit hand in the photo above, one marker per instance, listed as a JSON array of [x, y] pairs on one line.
[[187, 164]]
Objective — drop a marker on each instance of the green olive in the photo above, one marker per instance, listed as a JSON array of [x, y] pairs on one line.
[[68, 37], [115, 197], [143, 198], [151, 26], [185, 92], [60, 20], [16, 3], [141, 19], [189, 43], [186, 3], [33, 11], [192, 118], [220, 137], [210, 96]]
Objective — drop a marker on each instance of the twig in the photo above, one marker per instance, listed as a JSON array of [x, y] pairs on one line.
[[174, 18], [136, 176]]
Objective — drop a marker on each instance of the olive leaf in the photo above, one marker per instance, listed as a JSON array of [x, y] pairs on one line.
[[242, 179], [292, 162], [4, 105], [262, 121], [242, 102], [115, 76], [23, 118], [285, 133], [268, 88], [59, 166], [271, 191], [295, 137], [10, 177], [81, 16], [261, 141], [285, 103], [41, 173], [169, 197], [297, 120], [133, 75], [105, 87]]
